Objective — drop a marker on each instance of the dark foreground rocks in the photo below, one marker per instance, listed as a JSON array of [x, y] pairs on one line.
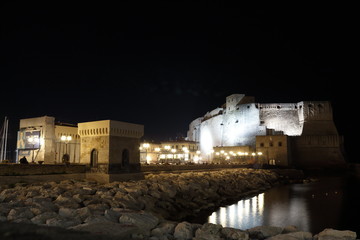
[[153, 208]]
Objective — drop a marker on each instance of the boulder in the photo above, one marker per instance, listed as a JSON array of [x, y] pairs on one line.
[[332, 234], [183, 231], [22, 212], [145, 221], [293, 236], [263, 232], [209, 231], [234, 234], [41, 218]]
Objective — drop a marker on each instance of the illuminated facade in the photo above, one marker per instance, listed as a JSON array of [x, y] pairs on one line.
[[106, 146], [41, 139], [170, 152], [301, 134]]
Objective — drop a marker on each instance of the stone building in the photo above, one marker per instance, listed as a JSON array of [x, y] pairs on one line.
[[104, 146], [43, 140], [110, 146], [299, 134]]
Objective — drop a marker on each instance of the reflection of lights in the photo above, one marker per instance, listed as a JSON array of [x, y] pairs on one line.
[[232, 215], [223, 216], [261, 203]]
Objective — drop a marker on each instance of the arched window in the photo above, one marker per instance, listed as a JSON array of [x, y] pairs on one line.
[[94, 158]]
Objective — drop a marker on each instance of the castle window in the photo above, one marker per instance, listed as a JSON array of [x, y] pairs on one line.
[[279, 144], [248, 106], [278, 107], [262, 122], [271, 144], [310, 105], [236, 121], [261, 144]]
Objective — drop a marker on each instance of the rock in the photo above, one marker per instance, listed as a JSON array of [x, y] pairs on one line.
[[145, 221], [289, 229], [66, 202], [234, 234], [332, 234], [164, 229], [209, 231], [83, 213], [263, 232], [22, 212], [41, 218], [183, 231], [67, 212], [112, 215], [62, 222], [293, 236]]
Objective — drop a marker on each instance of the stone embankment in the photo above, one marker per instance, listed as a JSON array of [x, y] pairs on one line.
[[154, 208]]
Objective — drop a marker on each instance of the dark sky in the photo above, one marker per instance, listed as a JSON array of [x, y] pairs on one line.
[[168, 63]]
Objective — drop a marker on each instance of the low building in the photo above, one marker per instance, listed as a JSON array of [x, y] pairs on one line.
[[179, 151], [106, 146]]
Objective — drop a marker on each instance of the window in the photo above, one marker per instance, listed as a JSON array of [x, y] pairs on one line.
[[270, 144], [279, 144], [261, 144]]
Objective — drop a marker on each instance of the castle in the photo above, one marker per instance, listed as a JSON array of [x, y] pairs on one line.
[[299, 134]]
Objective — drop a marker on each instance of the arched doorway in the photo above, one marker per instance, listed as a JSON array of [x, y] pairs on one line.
[[125, 162], [94, 158]]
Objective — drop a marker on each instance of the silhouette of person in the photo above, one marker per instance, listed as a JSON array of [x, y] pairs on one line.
[[23, 160]]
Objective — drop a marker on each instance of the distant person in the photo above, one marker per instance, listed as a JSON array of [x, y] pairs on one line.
[[66, 159], [23, 160]]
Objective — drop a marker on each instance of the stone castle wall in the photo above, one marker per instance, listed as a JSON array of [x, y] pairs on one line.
[[242, 120]]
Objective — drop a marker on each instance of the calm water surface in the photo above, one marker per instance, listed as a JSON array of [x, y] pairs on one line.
[[328, 203]]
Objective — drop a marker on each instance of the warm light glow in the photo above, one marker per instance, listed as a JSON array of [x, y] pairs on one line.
[[157, 149], [173, 150], [146, 145], [217, 153], [148, 158], [63, 138], [222, 151], [68, 138], [206, 140], [197, 152], [260, 153], [253, 154], [167, 147]]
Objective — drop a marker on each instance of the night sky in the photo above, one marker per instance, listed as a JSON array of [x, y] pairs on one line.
[[168, 63]]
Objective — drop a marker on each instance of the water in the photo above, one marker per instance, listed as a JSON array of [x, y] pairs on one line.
[[328, 203]]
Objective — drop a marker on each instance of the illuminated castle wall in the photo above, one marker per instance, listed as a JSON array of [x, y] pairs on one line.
[[240, 120]]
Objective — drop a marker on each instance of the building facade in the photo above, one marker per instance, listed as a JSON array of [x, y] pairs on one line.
[[104, 146], [180, 151], [299, 134]]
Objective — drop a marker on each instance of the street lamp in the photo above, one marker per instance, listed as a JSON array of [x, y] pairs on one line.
[[66, 140]]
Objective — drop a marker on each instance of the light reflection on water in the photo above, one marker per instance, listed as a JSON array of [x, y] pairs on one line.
[[241, 215], [311, 207]]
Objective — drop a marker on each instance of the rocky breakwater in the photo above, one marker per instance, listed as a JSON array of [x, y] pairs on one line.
[[153, 208]]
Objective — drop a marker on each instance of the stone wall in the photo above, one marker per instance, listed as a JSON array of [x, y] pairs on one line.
[[37, 169]]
